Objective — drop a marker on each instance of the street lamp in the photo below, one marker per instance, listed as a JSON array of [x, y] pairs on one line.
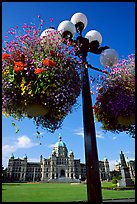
[[90, 43]]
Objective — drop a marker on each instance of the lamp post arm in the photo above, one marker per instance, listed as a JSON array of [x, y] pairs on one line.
[[97, 69], [94, 48]]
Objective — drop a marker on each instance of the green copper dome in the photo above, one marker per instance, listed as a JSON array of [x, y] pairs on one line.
[[60, 143], [60, 148]]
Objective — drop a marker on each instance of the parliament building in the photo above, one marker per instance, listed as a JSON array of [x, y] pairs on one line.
[[61, 166]]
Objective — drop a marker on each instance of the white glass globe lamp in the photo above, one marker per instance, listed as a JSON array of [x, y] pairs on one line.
[[67, 27], [94, 35], [79, 18], [108, 57], [50, 38]]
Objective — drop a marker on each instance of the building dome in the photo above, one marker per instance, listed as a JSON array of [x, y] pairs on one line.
[[60, 148], [60, 143]]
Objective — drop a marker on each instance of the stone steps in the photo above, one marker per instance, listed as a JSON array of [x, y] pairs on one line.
[[63, 180]]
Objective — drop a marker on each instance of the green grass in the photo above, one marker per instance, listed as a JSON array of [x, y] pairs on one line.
[[117, 194], [47, 192]]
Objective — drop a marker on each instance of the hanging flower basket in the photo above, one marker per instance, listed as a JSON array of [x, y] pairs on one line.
[[115, 103], [38, 82], [35, 110], [126, 120]]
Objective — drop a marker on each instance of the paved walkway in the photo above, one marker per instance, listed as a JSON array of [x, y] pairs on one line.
[[131, 200]]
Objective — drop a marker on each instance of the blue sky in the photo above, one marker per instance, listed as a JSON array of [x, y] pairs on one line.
[[116, 23]]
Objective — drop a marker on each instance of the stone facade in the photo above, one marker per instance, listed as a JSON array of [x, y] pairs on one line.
[[22, 170], [131, 166], [60, 166], [104, 169]]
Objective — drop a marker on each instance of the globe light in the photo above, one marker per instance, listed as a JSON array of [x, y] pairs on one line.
[[50, 38], [79, 18], [67, 28], [108, 57], [93, 35]]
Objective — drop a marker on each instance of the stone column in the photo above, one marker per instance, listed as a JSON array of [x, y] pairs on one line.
[[34, 175]]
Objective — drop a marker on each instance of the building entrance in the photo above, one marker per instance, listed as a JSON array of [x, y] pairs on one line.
[[62, 173]]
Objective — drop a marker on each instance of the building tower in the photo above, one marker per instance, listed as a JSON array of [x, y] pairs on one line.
[[107, 169], [41, 158], [71, 165], [10, 168]]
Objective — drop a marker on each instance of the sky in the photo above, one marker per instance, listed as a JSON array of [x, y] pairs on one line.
[[116, 23]]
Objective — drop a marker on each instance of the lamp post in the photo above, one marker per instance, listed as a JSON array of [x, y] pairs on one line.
[[90, 43]]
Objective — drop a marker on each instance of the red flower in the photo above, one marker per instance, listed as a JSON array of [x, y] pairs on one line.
[[19, 66], [39, 70], [94, 107], [52, 52], [49, 62], [5, 56], [59, 56]]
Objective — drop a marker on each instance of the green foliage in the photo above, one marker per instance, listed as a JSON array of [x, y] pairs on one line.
[[108, 185], [114, 181]]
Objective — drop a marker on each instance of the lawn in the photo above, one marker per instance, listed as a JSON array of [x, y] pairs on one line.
[[47, 192]]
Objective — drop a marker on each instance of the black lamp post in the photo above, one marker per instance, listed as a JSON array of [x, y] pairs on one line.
[[87, 44]]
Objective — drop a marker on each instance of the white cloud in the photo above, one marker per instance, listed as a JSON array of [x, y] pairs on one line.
[[7, 148], [114, 138], [126, 152], [80, 132], [21, 142], [25, 142], [50, 145], [99, 135]]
